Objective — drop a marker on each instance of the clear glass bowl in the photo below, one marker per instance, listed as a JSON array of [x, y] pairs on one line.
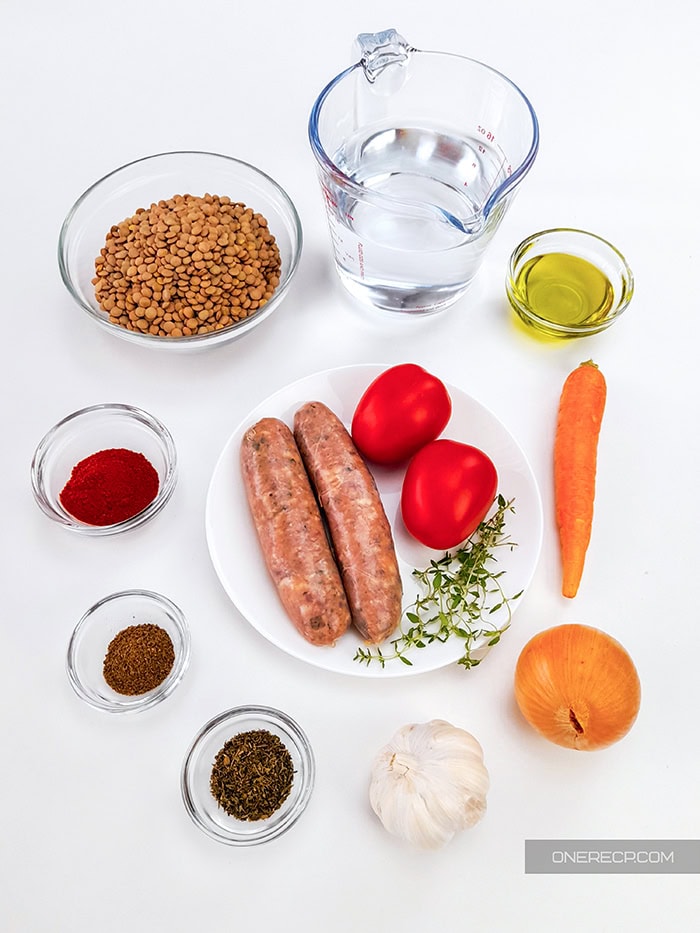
[[196, 775], [528, 292], [159, 177], [87, 431], [92, 635]]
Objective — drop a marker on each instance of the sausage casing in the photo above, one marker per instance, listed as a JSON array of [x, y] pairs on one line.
[[358, 526], [291, 532]]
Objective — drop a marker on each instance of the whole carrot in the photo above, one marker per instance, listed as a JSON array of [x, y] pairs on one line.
[[580, 416]]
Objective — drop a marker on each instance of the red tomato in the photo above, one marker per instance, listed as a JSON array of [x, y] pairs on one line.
[[447, 491], [403, 409]]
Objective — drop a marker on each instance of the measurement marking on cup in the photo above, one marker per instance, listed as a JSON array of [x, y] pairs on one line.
[[361, 259], [474, 165], [328, 196]]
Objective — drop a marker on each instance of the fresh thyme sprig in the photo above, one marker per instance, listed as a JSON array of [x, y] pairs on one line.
[[459, 592]]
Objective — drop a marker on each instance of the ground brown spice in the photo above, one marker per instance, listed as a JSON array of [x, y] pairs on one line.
[[252, 775], [138, 659]]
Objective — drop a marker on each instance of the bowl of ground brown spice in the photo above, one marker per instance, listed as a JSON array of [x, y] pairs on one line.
[[248, 775], [128, 652], [181, 249]]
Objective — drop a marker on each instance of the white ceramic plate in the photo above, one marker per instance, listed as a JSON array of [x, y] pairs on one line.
[[236, 554]]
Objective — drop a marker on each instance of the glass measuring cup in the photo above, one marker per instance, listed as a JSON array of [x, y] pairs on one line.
[[419, 155]]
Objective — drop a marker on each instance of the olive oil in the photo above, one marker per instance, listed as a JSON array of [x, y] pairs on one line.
[[564, 290]]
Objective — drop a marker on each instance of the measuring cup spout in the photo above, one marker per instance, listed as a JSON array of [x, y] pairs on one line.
[[472, 226]]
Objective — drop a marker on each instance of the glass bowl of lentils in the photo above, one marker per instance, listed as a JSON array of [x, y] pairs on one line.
[[104, 469], [182, 250], [128, 652], [248, 775]]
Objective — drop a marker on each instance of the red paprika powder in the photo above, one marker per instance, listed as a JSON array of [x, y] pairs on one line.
[[110, 486]]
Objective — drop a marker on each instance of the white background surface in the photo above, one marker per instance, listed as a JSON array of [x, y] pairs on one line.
[[94, 834]]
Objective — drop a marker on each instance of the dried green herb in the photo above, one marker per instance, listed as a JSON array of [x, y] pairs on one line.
[[459, 592], [252, 775], [138, 659]]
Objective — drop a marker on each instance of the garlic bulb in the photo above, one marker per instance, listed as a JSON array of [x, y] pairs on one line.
[[429, 783]]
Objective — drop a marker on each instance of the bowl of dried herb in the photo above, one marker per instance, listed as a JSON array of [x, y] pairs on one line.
[[248, 775], [128, 652]]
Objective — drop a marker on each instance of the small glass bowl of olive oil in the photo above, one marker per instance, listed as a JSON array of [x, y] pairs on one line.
[[568, 283]]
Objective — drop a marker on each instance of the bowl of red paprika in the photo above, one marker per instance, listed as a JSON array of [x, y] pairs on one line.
[[104, 469]]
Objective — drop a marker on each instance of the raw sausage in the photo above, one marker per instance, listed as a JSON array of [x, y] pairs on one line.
[[359, 529], [291, 532]]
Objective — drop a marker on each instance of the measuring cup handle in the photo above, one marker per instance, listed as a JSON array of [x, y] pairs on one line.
[[378, 50]]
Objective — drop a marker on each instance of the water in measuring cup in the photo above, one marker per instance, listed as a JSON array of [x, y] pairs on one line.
[[414, 260]]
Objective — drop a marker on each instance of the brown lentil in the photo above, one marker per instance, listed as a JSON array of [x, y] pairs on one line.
[[188, 265], [138, 659]]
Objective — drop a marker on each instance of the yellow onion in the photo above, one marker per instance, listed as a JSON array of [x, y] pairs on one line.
[[577, 686]]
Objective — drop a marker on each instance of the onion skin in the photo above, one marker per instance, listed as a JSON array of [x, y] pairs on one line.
[[577, 686]]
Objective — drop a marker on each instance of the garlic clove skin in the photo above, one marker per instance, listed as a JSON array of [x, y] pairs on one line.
[[428, 783]]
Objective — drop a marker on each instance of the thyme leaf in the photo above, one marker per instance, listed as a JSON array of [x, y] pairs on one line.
[[459, 591]]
